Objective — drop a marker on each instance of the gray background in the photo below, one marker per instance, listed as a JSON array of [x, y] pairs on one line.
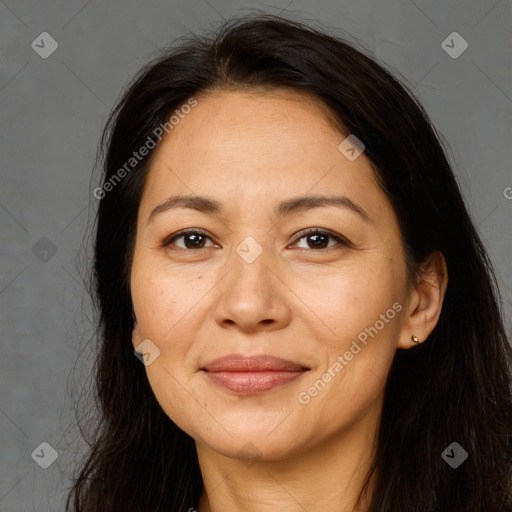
[[52, 111]]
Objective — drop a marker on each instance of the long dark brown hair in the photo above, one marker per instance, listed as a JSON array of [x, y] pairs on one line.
[[455, 387]]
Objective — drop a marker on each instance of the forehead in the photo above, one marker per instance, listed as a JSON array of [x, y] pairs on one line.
[[250, 139]]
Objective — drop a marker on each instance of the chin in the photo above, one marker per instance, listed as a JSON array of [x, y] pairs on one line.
[[250, 440]]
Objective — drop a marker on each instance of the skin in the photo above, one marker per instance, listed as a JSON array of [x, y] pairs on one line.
[[250, 151]]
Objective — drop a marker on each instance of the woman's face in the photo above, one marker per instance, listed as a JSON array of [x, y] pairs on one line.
[[260, 172]]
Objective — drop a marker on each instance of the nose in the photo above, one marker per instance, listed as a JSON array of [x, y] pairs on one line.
[[252, 297]]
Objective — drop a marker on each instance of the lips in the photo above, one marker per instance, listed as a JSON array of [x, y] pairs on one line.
[[245, 375], [262, 363]]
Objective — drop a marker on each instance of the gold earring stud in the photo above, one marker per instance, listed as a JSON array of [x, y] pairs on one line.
[[415, 339]]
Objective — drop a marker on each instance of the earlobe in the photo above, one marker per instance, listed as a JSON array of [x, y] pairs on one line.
[[426, 302]]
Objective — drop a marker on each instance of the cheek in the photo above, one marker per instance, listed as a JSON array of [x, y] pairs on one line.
[[164, 300], [362, 310], [350, 299], [352, 383], [171, 307], [167, 309]]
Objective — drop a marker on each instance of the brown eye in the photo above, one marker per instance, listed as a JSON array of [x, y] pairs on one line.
[[191, 239], [321, 239], [194, 240], [317, 241]]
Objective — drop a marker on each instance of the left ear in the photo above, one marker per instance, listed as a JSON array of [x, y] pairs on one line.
[[136, 337], [425, 301]]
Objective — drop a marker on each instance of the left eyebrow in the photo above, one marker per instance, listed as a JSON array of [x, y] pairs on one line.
[[308, 202]]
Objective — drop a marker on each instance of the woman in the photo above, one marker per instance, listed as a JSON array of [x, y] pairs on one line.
[[282, 244]]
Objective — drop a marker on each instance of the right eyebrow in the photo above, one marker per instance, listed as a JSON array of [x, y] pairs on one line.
[[199, 203]]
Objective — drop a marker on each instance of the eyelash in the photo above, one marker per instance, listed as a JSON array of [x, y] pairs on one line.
[[301, 234]]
